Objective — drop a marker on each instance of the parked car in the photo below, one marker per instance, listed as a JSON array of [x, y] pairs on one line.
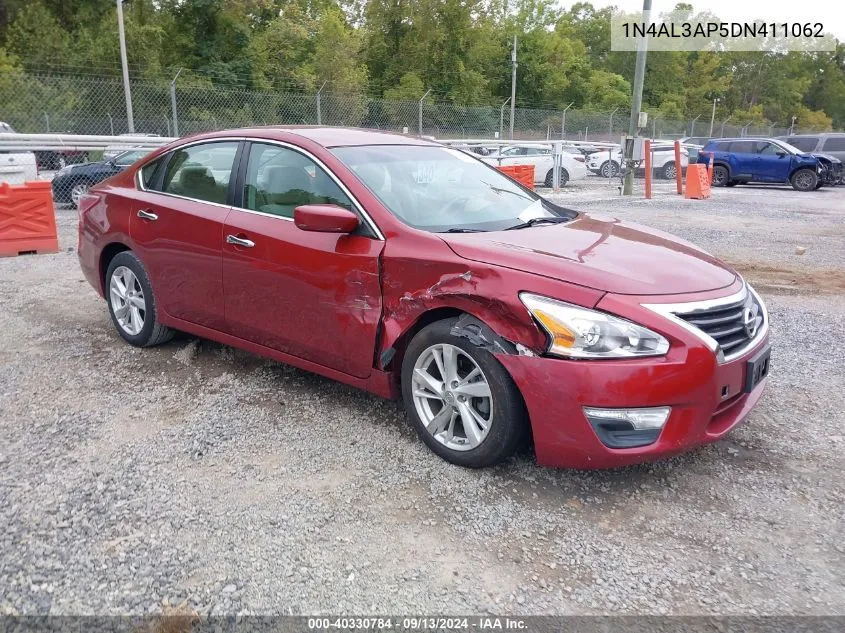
[[826, 145], [50, 159], [700, 141], [415, 270], [742, 160], [607, 163], [16, 167], [73, 181], [540, 155], [113, 150]]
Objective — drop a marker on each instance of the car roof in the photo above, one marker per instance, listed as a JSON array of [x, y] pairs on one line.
[[325, 136]]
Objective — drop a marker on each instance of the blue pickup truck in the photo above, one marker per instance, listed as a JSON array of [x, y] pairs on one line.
[[742, 160]]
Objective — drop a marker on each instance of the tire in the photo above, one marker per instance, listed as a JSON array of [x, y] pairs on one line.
[[721, 176], [137, 286], [804, 180], [78, 190], [819, 185], [668, 172], [503, 408], [609, 169], [564, 177]]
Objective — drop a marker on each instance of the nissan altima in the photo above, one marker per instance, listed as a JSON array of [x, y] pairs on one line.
[[416, 271]]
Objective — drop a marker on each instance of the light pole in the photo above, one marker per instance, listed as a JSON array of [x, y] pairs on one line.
[[792, 126], [173, 103], [636, 101], [713, 116], [421, 108], [722, 132], [615, 110], [319, 109], [127, 93], [513, 84], [563, 122], [502, 118]]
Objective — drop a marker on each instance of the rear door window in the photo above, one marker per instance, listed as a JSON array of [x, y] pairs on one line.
[[201, 172], [834, 144], [804, 143], [744, 147]]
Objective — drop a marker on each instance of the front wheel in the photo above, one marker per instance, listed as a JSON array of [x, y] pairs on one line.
[[564, 177], [460, 399], [131, 302], [609, 169], [804, 180], [669, 171], [77, 191]]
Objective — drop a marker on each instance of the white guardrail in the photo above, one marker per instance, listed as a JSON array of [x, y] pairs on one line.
[[76, 142]]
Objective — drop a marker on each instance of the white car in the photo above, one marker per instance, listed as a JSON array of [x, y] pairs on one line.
[[16, 168], [572, 165], [607, 162]]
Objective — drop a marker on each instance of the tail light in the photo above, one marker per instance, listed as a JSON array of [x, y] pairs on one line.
[[86, 203], [579, 158]]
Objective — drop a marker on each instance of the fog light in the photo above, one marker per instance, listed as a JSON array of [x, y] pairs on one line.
[[627, 428]]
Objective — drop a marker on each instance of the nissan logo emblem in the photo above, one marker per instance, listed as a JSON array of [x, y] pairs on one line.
[[749, 320]]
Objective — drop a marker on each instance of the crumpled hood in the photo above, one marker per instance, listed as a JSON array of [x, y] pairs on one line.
[[599, 252]]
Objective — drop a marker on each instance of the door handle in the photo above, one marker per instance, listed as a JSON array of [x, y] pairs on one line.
[[147, 215], [237, 241]]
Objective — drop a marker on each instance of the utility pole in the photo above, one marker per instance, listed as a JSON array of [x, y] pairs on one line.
[[127, 93], [636, 101], [173, 103], [563, 122], [421, 108], [713, 116], [319, 109], [502, 119], [513, 84]]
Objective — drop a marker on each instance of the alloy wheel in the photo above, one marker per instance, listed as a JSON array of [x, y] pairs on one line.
[[127, 300], [77, 192], [804, 180], [452, 397]]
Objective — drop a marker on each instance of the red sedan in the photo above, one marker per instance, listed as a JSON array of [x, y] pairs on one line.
[[414, 270]]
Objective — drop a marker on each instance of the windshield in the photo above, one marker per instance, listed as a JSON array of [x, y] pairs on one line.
[[789, 148], [129, 157], [441, 189]]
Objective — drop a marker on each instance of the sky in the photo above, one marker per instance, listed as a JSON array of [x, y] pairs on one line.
[[831, 14]]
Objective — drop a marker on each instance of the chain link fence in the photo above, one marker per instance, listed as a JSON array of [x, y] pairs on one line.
[[96, 105], [89, 105]]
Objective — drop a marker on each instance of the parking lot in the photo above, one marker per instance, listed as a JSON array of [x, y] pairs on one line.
[[195, 471]]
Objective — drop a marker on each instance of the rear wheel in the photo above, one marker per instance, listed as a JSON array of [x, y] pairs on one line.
[[804, 180], [131, 302], [720, 176], [460, 399], [564, 177]]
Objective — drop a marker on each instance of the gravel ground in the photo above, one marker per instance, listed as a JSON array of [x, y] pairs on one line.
[[195, 471]]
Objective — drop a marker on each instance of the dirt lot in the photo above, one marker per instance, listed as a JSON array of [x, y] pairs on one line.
[[196, 471]]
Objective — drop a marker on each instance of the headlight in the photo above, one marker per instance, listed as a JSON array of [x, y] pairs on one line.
[[576, 332]]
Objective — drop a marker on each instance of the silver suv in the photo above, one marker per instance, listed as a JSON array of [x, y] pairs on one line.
[[832, 143]]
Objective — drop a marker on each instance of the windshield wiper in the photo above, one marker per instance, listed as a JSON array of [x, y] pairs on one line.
[[460, 230], [537, 221]]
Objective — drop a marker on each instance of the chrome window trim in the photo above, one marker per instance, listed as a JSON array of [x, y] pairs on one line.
[[360, 208], [671, 310]]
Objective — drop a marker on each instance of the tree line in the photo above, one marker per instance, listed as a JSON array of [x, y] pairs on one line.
[[459, 50]]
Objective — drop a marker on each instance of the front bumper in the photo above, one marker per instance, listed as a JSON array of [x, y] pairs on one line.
[[706, 397]]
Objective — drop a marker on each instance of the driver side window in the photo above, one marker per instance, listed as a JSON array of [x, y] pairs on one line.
[[768, 149], [279, 179]]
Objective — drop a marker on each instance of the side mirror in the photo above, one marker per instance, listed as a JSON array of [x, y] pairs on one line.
[[781, 154], [325, 218]]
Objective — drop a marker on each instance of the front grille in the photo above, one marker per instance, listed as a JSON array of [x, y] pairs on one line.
[[731, 325]]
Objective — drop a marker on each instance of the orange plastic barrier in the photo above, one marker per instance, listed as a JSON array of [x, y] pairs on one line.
[[698, 182], [27, 219], [522, 173]]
